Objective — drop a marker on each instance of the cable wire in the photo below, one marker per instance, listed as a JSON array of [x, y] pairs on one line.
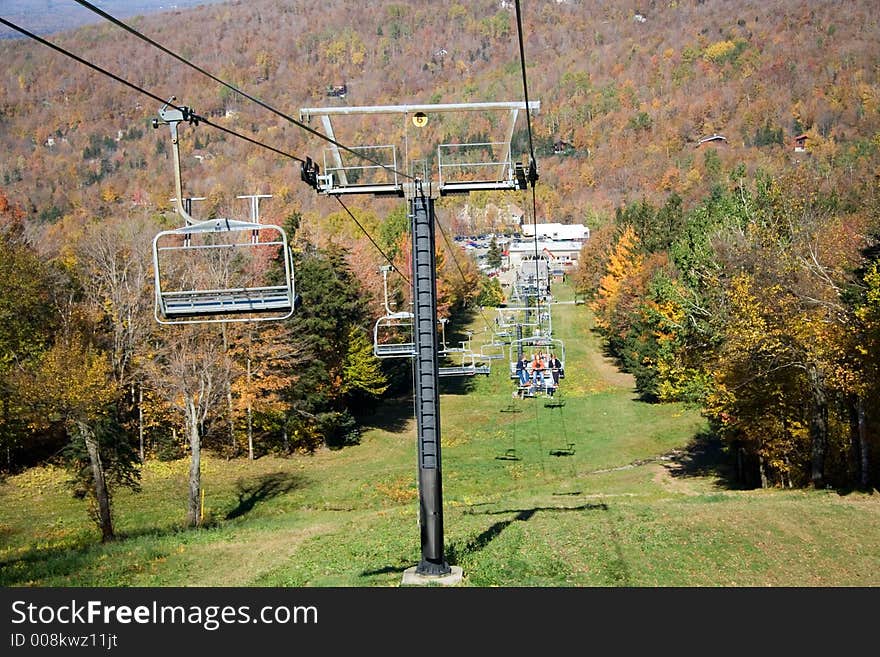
[[522, 59], [183, 60], [451, 250], [312, 131], [369, 237], [196, 118], [533, 166], [458, 266], [149, 94], [200, 119]]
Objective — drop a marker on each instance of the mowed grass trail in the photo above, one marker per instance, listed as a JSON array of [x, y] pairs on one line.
[[603, 491]]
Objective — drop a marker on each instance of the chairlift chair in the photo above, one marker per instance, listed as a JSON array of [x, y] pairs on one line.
[[531, 343], [517, 315], [392, 336], [218, 270], [468, 367], [211, 272], [393, 332], [445, 349], [493, 350]]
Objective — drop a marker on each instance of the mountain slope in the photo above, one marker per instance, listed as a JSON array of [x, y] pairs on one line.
[[631, 93]]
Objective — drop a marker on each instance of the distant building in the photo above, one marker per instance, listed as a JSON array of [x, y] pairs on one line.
[[566, 232], [712, 139], [800, 144], [561, 255]]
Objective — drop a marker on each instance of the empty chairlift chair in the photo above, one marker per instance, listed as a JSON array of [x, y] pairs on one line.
[[393, 332], [393, 336], [220, 270], [494, 349], [468, 367]]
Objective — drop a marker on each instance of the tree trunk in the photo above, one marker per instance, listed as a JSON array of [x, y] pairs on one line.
[[7, 432], [250, 429], [250, 416], [854, 454], [102, 496], [231, 410], [194, 515], [865, 460], [818, 427], [141, 420], [229, 404]]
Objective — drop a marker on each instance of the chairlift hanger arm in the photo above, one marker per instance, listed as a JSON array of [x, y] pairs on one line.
[[171, 115]]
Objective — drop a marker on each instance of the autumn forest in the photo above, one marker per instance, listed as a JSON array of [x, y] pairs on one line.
[[726, 156]]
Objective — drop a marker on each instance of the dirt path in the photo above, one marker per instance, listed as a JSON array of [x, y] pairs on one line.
[[601, 372], [609, 373]]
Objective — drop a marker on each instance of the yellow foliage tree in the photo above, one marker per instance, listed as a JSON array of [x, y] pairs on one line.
[[75, 385], [624, 261]]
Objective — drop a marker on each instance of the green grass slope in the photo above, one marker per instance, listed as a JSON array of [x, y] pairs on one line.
[[640, 499]]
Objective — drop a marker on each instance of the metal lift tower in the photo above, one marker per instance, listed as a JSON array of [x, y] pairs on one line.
[[378, 173]]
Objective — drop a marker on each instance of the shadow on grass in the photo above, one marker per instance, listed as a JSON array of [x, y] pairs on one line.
[[705, 456], [455, 554], [265, 488], [392, 415], [38, 563], [843, 491], [456, 385], [606, 349], [385, 570]]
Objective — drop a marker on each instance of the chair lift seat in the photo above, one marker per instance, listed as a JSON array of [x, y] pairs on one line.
[[384, 327], [272, 302], [466, 368], [213, 302]]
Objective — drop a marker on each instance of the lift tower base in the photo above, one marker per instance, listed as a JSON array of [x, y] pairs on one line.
[[412, 578]]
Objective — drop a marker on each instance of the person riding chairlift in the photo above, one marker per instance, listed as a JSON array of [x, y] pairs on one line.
[[522, 370], [556, 369], [537, 371]]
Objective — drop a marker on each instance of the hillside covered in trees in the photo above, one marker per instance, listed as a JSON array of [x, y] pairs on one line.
[[728, 268], [631, 98]]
